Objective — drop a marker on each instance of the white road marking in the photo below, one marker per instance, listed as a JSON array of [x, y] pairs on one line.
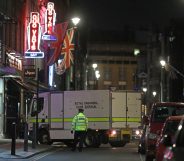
[[43, 155]]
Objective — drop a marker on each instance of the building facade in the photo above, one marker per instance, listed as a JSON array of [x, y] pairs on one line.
[[14, 91]]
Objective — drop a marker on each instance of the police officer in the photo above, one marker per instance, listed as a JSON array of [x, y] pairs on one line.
[[79, 126]]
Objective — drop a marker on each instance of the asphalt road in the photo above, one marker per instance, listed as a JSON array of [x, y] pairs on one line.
[[104, 153]]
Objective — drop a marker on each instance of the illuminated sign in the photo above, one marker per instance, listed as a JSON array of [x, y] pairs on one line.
[[50, 17], [14, 62], [30, 73], [34, 35]]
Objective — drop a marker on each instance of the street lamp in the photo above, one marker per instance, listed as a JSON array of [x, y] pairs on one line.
[[94, 66], [165, 65], [144, 89], [172, 73], [96, 74], [162, 62], [75, 21], [154, 93]]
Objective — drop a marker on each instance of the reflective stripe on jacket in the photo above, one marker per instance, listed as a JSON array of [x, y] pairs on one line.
[[80, 122]]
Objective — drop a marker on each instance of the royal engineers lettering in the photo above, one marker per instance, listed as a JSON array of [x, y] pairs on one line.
[[90, 104]]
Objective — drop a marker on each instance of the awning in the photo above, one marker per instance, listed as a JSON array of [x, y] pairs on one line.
[[28, 86]]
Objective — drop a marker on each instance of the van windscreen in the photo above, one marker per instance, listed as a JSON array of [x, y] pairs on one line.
[[161, 113]]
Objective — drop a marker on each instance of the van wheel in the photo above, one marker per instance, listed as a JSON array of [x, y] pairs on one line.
[[89, 139], [44, 137], [92, 139], [96, 141]]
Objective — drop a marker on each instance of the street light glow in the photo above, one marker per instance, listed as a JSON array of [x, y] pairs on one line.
[[94, 66], [144, 89], [163, 63], [97, 72], [136, 52], [154, 93], [75, 20]]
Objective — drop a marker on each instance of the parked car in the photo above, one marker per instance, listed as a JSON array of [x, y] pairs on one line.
[[159, 113], [169, 128], [175, 149], [141, 144]]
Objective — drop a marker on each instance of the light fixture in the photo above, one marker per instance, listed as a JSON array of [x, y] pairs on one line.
[[94, 66], [154, 93], [144, 89], [136, 52], [75, 20], [163, 63]]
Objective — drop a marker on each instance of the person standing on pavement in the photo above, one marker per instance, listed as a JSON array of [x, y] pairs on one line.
[[79, 127]]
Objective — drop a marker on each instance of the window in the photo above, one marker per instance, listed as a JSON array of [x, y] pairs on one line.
[[107, 73], [161, 113], [171, 127], [122, 73], [36, 108]]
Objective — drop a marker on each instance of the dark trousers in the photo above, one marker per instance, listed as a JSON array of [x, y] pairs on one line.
[[79, 136]]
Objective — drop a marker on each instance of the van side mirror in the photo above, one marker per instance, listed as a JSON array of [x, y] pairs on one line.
[[37, 106], [167, 140], [145, 120]]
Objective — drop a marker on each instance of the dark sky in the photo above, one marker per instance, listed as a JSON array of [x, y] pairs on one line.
[[114, 14]]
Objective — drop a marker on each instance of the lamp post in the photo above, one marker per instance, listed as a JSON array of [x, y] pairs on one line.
[[144, 89], [75, 21], [172, 72], [96, 75], [162, 62]]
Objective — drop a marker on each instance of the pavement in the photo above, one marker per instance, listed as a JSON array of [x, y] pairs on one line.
[[6, 150]]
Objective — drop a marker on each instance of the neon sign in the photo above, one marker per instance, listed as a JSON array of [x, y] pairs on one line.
[[34, 35], [50, 17]]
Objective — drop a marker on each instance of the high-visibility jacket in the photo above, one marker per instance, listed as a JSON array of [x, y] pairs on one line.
[[80, 122]]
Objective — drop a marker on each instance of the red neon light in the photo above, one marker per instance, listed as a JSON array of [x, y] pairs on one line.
[[34, 33], [50, 17]]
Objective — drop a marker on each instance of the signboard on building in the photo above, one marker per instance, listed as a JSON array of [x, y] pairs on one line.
[[29, 73], [13, 61], [50, 17], [34, 37]]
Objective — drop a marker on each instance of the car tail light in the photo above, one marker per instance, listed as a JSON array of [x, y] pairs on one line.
[[168, 154]]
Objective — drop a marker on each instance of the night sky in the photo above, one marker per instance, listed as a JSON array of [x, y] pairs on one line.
[[108, 14]]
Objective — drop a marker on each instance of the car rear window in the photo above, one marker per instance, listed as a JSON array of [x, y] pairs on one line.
[[171, 127], [161, 113]]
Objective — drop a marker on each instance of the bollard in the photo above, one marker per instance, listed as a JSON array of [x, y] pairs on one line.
[[13, 144], [34, 136], [25, 136]]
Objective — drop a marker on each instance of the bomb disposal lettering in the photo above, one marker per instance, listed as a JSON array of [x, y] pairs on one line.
[[86, 105]]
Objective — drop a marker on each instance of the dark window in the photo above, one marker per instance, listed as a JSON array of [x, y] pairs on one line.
[[171, 127], [161, 113]]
